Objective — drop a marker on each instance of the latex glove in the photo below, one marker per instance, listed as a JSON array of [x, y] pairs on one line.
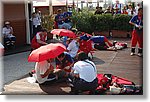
[[68, 67], [137, 25]]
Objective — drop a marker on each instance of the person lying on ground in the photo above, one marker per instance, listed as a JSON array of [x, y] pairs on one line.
[[102, 43]]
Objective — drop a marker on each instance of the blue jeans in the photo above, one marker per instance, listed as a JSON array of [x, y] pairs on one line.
[[64, 25]]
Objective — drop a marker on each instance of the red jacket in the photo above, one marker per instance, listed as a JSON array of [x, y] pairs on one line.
[[35, 44]]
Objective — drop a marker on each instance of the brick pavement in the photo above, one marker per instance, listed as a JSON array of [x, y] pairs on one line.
[[118, 63]]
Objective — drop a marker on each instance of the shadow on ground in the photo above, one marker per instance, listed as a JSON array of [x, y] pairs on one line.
[[98, 61], [53, 88]]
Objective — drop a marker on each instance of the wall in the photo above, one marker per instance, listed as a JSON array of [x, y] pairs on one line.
[[45, 9], [15, 13]]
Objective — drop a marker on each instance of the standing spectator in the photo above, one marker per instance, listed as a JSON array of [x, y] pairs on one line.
[[79, 10], [99, 10], [117, 7], [38, 14], [84, 75], [36, 23], [130, 11], [39, 39], [112, 11], [136, 8], [59, 20], [7, 31], [137, 34], [124, 11], [108, 10]]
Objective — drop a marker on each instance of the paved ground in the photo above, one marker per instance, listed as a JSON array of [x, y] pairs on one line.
[[118, 63]]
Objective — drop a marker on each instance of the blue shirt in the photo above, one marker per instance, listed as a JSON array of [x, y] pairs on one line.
[[97, 39], [65, 40], [65, 61], [67, 14], [59, 18], [135, 19], [84, 37]]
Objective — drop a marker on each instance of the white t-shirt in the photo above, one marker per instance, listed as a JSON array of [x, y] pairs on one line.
[[130, 12], [36, 21], [136, 9], [41, 68], [6, 31], [73, 48], [38, 36], [119, 6], [38, 16], [85, 70]]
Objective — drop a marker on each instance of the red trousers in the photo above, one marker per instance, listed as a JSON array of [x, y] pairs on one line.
[[137, 38], [109, 43]]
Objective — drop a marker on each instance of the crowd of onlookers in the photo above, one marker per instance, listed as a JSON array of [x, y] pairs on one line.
[[118, 8], [63, 19]]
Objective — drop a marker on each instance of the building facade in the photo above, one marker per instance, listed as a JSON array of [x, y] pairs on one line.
[[18, 15]]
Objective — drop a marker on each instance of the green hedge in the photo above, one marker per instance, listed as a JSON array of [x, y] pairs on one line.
[[88, 22], [47, 22], [121, 22], [82, 21], [101, 22]]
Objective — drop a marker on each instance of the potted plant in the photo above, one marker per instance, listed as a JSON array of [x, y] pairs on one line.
[[48, 22]]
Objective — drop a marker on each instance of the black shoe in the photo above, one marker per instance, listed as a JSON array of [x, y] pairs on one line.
[[30, 74], [132, 51], [114, 42], [140, 51]]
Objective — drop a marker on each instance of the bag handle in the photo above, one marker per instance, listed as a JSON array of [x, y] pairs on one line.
[[91, 64]]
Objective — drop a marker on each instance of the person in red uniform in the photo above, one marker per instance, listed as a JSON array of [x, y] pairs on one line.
[[64, 64], [137, 34], [39, 39]]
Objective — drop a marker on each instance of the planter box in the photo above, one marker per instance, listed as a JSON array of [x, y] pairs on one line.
[[120, 34], [103, 33]]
